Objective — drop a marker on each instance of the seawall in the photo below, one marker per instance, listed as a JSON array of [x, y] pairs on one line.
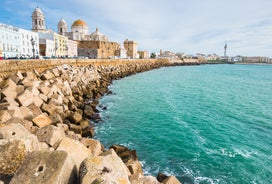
[[48, 112]]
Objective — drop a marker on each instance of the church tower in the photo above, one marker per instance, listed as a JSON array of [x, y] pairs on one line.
[[62, 27], [38, 22]]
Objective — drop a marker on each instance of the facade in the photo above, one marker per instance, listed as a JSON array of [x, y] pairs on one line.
[[10, 38], [256, 59], [47, 47], [61, 47], [132, 48], [143, 54], [38, 21], [98, 49], [123, 52], [167, 55], [72, 48], [1, 50], [27, 38]]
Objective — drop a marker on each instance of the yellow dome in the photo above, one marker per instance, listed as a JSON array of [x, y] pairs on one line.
[[79, 23]]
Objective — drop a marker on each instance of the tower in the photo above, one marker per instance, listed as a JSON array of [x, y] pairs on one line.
[[225, 51], [62, 27], [38, 22]]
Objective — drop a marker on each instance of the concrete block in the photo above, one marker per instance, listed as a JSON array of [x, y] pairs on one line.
[[26, 98], [37, 101], [36, 111], [75, 149], [4, 116], [42, 120], [56, 118], [44, 89], [20, 89], [33, 90], [47, 75], [43, 97], [52, 135], [94, 145], [13, 130], [106, 168], [47, 168]]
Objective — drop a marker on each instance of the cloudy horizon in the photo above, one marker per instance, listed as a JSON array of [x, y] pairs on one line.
[[175, 25]]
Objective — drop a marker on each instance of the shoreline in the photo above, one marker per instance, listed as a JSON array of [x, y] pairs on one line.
[[73, 93]]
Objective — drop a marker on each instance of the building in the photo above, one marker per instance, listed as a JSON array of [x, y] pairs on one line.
[[1, 50], [122, 52], [167, 55], [47, 47], [132, 48], [94, 45], [256, 59], [38, 21], [72, 48], [29, 41], [143, 54], [10, 38]]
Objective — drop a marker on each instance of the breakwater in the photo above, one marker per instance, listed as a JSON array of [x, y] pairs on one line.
[[45, 129]]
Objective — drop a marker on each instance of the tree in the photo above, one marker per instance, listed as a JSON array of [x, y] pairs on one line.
[[153, 55]]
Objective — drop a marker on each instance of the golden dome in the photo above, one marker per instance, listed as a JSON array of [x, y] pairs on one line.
[[79, 23]]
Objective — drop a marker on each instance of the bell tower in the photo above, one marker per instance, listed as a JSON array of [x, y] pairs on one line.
[[38, 22], [62, 27]]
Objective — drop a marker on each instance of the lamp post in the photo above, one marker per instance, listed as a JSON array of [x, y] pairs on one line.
[[56, 48], [33, 50]]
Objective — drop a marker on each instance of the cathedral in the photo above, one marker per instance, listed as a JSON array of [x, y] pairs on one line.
[[94, 45]]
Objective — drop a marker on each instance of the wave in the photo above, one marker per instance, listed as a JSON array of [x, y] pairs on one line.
[[232, 153]]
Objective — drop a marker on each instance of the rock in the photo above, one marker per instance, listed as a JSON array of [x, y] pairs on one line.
[[135, 169], [33, 90], [125, 154], [161, 177], [47, 168], [37, 101], [47, 75], [51, 135], [20, 89], [75, 149], [84, 124], [171, 180], [4, 116], [12, 153], [88, 132], [52, 108], [64, 127], [44, 89], [75, 117], [26, 98], [13, 130], [8, 88], [43, 97], [36, 111], [75, 128], [94, 145], [146, 180], [96, 117], [56, 118], [106, 168], [42, 120]]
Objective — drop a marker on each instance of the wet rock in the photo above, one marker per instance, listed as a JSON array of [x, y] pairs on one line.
[[47, 168], [88, 132], [125, 154], [75, 117]]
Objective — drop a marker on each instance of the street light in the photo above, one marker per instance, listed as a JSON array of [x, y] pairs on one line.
[[33, 50], [56, 48]]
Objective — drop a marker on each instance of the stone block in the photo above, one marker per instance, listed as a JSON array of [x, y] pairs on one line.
[[47, 168], [171, 180], [8, 88], [14, 78], [56, 100], [75, 128], [16, 112], [64, 127], [135, 169], [37, 101], [51, 135], [106, 168], [56, 72], [75, 149], [94, 145], [88, 132], [42, 120], [45, 90], [56, 118], [33, 90], [84, 124], [36, 111], [43, 97], [49, 108], [12, 153], [47, 75], [20, 89], [26, 98], [4, 116], [75, 117], [13, 130]]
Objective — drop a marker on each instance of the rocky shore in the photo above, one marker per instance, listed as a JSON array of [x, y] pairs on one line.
[[47, 122]]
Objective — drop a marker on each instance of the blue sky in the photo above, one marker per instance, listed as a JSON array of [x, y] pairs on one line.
[[195, 26]]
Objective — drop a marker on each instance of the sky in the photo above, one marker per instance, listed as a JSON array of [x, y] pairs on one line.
[[186, 26]]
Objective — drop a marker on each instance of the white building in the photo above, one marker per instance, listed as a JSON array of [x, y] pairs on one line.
[[10, 38], [27, 38], [72, 48], [47, 47]]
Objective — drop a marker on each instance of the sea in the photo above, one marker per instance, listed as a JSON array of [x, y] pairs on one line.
[[202, 124]]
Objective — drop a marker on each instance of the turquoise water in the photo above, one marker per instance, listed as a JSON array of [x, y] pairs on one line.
[[203, 124]]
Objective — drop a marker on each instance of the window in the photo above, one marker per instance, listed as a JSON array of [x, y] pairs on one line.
[[36, 21]]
